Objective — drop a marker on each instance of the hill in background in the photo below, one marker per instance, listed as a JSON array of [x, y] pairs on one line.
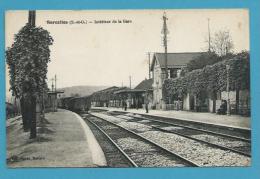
[[80, 90]]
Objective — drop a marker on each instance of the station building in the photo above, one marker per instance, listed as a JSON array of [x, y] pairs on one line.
[[237, 99], [176, 62]]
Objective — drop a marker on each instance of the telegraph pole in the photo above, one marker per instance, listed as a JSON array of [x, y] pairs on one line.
[[52, 85], [55, 80], [165, 32], [149, 73], [130, 78], [31, 18], [35, 106], [209, 34]]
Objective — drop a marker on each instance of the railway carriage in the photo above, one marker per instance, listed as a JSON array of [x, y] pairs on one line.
[[63, 102], [76, 104]]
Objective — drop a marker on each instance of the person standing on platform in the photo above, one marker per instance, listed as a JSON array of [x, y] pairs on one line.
[[146, 102], [125, 105]]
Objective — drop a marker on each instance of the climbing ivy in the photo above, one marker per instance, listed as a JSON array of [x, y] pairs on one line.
[[211, 79], [27, 61]]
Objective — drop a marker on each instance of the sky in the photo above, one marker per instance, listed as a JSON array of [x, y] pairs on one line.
[[108, 53]]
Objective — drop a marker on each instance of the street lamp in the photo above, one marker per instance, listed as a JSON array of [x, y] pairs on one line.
[[228, 100]]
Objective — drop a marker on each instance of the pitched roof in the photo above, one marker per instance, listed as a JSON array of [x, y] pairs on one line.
[[174, 59], [145, 85], [107, 90], [141, 87]]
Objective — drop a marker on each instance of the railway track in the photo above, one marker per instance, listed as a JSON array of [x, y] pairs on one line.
[[137, 151], [231, 132], [115, 156], [236, 144], [200, 152]]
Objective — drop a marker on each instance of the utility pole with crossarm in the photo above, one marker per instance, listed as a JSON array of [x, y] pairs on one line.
[[165, 32]]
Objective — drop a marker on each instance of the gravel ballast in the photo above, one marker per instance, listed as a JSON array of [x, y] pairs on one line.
[[135, 126], [197, 152], [145, 155]]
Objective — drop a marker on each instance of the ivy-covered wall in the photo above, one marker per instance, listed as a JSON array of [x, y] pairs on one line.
[[211, 79]]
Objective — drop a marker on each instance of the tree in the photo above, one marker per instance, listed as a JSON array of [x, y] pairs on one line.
[[203, 60], [222, 43], [208, 58], [27, 61]]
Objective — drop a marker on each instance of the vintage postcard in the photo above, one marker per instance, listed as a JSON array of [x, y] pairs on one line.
[[128, 88]]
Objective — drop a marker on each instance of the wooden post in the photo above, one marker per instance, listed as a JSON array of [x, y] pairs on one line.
[[32, 18], [33, 117], [149, 73], [34, 101]]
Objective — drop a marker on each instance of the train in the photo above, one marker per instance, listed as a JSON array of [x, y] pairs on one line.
[[75, 104]]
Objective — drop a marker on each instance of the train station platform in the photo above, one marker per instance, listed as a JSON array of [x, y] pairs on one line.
[[63, 140], [234, 121]]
